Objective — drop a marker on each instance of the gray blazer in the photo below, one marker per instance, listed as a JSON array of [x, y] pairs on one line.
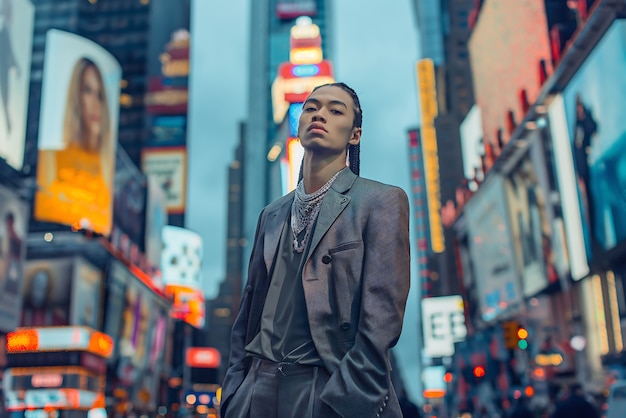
[[356, 282]]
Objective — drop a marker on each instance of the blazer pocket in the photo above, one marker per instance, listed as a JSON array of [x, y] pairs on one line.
[[344, 247], [345, 267]]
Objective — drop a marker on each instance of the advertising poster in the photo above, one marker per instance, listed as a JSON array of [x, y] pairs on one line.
[[47, 292], [77, 133], [16, 38], [595, 110], [86, 294], [129, 203], [181, 259], [13, 229], [530, 225], [491, 241], [169, 167]]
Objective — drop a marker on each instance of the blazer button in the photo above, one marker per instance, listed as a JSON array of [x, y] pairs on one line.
[[345, 325], [326, 259]]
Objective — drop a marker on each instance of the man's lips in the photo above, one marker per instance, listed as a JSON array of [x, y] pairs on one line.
[[316, 126]]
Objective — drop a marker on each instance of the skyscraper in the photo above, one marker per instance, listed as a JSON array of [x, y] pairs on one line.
[[271, 22]]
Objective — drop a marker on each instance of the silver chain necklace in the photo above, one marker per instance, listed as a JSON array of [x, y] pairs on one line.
[[304, 210]]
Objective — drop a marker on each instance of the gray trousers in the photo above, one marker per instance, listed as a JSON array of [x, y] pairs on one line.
[[280, 390]]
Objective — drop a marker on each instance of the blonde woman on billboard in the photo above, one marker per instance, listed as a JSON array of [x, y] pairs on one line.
[[79, 176]]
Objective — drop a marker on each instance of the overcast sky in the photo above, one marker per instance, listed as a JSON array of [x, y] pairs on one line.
[[375, 52]]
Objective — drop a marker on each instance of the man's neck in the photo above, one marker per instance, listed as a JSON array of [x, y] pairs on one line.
[[317, 173]]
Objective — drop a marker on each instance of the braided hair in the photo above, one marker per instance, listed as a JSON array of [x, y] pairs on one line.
[[354, 151]]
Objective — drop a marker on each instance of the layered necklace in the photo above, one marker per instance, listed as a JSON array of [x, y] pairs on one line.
[[304, 210]]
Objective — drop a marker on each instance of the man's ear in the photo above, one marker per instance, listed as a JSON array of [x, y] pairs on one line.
[[355, 139]]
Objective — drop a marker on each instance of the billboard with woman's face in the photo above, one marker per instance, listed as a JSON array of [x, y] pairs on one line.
[[16, 36], [77, 133], [595, 111]]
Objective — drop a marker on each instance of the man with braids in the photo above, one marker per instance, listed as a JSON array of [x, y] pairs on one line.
[[327, 283]]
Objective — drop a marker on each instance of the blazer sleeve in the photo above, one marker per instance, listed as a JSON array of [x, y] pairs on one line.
[[361, 385], [236, 365]]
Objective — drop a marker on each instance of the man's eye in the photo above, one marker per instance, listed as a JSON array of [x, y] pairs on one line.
[[309, 109], [337, 112]]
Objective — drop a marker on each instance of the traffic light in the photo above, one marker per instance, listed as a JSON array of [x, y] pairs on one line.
[[478, 372], [522, 335], [509, 331]]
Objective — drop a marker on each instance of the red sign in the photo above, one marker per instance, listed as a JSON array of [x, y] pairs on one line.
[[295, 8], [203, 357]]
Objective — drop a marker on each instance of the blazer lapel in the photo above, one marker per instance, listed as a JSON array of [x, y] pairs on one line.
[[333, 204], [273, 229]]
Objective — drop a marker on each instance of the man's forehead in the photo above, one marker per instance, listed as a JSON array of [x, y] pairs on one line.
[[331, 94]]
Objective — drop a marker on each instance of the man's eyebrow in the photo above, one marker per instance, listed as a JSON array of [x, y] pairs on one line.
[[331, 102]]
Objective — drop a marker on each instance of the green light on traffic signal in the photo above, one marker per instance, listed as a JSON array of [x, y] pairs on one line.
[[523, 344]]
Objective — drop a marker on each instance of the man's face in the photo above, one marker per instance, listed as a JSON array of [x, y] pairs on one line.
[[326, 123]]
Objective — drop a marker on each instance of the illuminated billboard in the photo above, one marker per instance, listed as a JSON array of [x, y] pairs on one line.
[[305, 70], [189, 304], [16, 36], [13, 231], [443, 324], [429, 111], [594, 105], [181, 258], [491, 241], [77, 133], [168, 165], [181, 262], [61, 291], [579, 266]]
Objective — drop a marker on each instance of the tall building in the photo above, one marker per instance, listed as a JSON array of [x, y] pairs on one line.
[[271, 23], [444, 31]]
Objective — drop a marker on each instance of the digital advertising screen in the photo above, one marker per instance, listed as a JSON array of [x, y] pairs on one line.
[[13, 230], [595, 110], [77, 133], [47, 293], [16, 39], [491, 241]]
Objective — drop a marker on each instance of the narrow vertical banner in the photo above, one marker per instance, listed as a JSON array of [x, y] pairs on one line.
[[428, 104], [77, 133]]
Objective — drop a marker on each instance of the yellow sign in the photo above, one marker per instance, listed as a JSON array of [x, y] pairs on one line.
[[428, 104]]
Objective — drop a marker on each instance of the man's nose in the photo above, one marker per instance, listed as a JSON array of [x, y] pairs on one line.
[[317, 116]]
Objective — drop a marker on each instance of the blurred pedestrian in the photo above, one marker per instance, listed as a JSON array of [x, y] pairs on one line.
[[327, 283], [575, 405], [521, 410]]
